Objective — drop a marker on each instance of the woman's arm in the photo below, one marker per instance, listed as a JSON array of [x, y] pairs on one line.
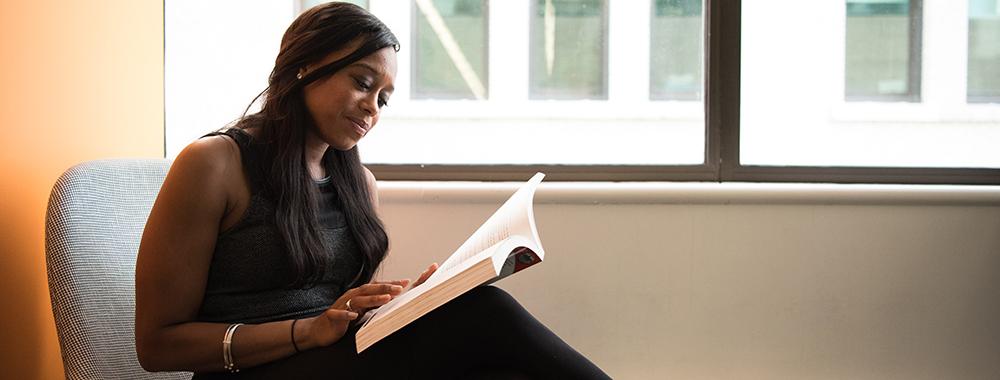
[[172, 267], [172, 270]]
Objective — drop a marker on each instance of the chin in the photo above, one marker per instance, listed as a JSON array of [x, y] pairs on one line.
[[344, 146]]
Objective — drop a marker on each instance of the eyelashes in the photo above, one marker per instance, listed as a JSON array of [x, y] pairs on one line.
[[363, 84], [366, 86]]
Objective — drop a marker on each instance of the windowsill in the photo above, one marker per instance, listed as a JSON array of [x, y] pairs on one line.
[[507, 110], [918, 112], [692, 193]]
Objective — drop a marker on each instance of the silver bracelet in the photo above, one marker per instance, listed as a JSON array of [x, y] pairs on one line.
[[227, 350]]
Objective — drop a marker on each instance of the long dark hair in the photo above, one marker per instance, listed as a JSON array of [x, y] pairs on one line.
[[282, 124]]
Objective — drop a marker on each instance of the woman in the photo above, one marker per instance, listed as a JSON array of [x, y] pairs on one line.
[[260, 250]]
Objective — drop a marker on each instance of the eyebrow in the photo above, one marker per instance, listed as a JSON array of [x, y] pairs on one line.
[[371, 68]]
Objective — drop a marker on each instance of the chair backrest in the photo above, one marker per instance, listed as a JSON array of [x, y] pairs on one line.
[[96, 215]]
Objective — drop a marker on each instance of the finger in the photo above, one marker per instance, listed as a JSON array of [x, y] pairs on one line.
[[430, 270], [340, 314], [427, 274], [402, 282], [368, 302], [377, 289]]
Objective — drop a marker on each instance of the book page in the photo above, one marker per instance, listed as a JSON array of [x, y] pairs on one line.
[[514, 217]]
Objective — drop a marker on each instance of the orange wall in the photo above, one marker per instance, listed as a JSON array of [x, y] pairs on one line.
[[79, 80]]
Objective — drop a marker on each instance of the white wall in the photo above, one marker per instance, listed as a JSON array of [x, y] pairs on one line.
[[744, 281]]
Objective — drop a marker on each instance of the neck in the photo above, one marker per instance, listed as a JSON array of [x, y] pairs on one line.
[[314, 150]]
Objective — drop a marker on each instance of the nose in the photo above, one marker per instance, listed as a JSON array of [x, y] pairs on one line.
[[370, 105]]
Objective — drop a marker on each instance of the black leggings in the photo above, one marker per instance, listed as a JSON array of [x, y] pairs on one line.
[[483, 334]]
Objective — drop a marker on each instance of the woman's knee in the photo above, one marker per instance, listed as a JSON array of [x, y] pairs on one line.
[[489, 295], [491, 301]]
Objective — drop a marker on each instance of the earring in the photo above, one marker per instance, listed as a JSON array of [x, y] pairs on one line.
[[299, 75]]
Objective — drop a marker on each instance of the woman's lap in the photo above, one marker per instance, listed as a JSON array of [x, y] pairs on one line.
[[479, 334]]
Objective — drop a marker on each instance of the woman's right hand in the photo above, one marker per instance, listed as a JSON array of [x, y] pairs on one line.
[[329, 327]]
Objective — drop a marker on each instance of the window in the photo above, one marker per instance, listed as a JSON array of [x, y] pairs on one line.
[[450, 50], [730, 90], [560, 82], [883, 50], [984, 51], [676, 42], [568, 49], [217, 57], [791, 114]]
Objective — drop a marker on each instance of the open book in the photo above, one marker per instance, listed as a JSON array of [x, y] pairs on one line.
[[505, 244]]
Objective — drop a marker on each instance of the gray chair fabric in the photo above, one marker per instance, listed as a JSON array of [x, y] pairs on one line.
[[96, 215]]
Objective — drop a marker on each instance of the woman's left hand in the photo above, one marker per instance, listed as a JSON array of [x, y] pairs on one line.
[[401, 283], [424, 276], [420, 280]]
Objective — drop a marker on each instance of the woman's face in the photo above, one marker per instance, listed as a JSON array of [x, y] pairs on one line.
[[346, 105]]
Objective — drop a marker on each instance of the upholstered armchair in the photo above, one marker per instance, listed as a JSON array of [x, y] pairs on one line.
[[96, 214]]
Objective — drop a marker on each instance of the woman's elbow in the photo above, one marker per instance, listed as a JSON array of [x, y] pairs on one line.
[[146, 354]]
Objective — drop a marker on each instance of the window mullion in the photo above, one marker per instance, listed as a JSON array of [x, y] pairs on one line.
[[628, 51], [508, 50], [722, 87], [946, 45], [397, 15]]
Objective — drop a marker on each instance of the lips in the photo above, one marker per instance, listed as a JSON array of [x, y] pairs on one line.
[[360, 126]]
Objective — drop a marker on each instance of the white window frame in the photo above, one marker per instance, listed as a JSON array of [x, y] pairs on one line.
[[626, 129], [943, 95], [835, 132], [627, 109]]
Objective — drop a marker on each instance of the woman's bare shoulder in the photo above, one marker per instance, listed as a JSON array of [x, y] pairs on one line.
[[369, 176], [372, 186], [209, 156], [209, 167]]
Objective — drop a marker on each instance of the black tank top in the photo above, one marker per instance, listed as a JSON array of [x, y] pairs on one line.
[[250, 270]]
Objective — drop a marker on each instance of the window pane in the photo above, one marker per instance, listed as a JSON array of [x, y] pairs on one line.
[[676, 50], [792, 106], [880, 51], [984, 51], [603, 115], [450, 49], [568, 49]]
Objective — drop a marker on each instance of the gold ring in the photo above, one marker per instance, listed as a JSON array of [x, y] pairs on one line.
[[349, 305]]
